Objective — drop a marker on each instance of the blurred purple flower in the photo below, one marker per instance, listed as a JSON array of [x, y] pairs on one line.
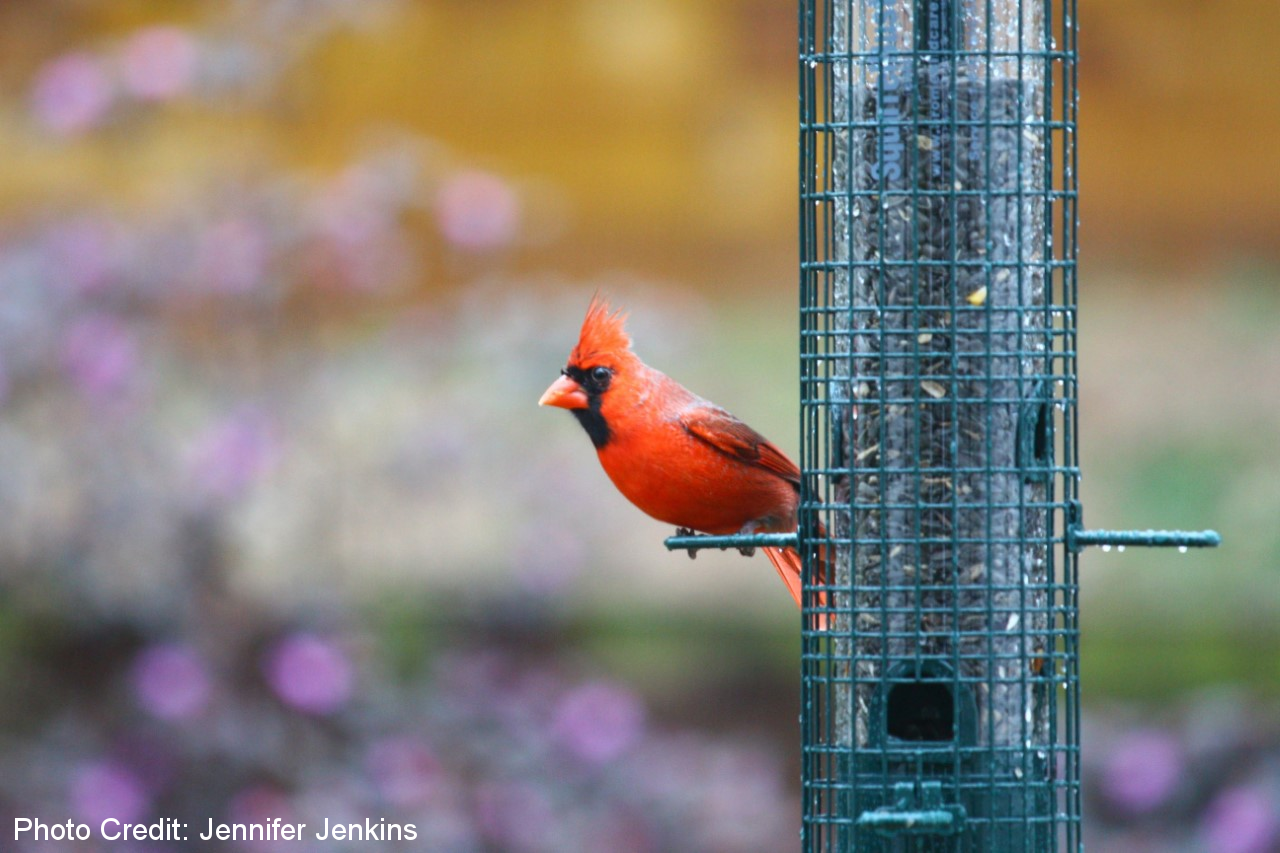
[[100, 356], [478, 211], [171, 681], [405, 770], [598, 721], [72, 93], [1244, 819], [1143, 771], [104, 789], [517, 815], [158, 63], [310, 674], [231, 454], [78, 254], [232, 257]]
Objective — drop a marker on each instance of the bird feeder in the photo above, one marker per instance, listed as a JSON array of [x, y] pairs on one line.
[[938, 396], [938, 391]]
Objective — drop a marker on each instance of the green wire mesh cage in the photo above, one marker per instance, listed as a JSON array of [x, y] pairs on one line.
[[939, 517], [938, 391], [939, 522]]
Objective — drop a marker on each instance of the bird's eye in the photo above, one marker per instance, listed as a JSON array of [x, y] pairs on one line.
[[601, 374]]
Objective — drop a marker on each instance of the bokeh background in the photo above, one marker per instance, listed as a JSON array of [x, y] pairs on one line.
[[283, 533]]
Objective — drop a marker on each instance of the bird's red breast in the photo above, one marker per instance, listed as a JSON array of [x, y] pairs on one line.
[[692, 464]]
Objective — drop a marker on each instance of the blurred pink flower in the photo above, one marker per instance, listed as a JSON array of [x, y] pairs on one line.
[[621, 831], [1143, 771], [262, 804], [358, 220], [106, 789], [1244, 819], [171, 681], [158, 63], [478, 211], [232, 257], [100, 356], [598, 721], [351, 210], [232, 453], [72, 93], [310, 674], [404, 769]]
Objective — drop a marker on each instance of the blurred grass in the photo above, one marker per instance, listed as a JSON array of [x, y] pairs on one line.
[[1157, 661], [1178, 429], [1182, 485]]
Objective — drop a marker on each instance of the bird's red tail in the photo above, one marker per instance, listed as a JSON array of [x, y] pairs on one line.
[[789, 565]]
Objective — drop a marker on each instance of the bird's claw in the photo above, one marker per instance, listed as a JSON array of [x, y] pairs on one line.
[[748, 551], [748, 529], [688, 531]]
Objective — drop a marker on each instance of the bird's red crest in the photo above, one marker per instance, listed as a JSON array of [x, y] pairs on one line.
[[603, 332]]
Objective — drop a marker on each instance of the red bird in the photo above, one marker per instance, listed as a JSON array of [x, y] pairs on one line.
[[676, 456]]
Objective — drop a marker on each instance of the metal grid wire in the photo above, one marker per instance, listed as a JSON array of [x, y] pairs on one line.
[[938, 406]]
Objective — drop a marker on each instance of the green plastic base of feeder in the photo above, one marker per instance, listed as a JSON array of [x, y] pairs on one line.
[[913, 808]]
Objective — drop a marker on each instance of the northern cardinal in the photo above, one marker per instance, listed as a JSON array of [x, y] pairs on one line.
[[676, 456]]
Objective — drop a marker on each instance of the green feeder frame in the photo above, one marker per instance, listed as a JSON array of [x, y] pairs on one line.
[[940, 705], [938, 390]]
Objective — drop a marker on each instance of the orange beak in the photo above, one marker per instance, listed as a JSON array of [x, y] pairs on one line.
[[564, 393]]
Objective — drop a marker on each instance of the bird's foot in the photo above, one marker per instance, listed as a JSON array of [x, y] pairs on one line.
[[748, 529], [688, 531]]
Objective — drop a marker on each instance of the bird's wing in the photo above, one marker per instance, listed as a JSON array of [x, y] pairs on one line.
[[723, 432]]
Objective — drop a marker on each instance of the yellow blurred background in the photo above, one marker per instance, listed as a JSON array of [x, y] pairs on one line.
[[660, 135]]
